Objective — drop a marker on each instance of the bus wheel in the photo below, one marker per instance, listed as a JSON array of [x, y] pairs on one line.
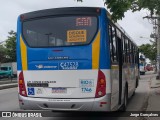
[[125, 101]]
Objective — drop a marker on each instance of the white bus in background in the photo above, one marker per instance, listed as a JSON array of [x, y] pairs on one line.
[[142, 63]]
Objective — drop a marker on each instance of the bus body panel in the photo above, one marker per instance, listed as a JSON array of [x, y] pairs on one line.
[[90, 104], [73, 81]]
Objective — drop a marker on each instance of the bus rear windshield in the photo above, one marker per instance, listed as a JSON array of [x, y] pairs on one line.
[[60, 31]]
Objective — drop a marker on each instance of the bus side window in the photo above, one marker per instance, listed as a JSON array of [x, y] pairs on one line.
[[123, 49], [137, 56], [114, 42], [111, 44], [126, 42], [129, 52], [133, 53], [119, 39]]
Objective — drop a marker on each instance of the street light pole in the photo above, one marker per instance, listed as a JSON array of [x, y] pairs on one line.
[[157, 40]]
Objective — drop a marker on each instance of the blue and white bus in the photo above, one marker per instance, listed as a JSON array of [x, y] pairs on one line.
[[74, 59]]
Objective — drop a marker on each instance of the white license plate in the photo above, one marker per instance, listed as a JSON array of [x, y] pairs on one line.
[[59, 90]]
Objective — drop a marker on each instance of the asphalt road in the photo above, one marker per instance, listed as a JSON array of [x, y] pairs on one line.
[[9, 101]]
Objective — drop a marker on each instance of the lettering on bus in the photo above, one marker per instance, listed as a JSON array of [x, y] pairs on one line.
[[39, 83], [86, 90], [45, 67], [76, 36], [84, 21], [86, 83], [69, 65]]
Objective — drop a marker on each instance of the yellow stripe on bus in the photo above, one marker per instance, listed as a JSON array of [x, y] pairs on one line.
[[23, 54], [96, 52]]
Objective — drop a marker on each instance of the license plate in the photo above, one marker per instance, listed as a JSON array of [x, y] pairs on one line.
[[59, 90]]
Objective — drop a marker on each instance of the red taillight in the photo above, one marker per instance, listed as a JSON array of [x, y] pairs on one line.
[[101, 85], [22, 17], [21, 83]]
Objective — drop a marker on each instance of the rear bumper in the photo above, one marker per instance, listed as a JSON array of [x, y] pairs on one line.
[[92, 104]]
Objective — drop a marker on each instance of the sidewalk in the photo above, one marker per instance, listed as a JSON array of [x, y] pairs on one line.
[[154, 98], [8, 83], [155, 83]]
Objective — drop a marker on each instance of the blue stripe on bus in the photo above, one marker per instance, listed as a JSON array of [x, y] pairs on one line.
[[18, 53], [105, 50], [81, 55]]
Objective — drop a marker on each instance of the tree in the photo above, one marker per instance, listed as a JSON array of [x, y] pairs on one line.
[[149, 50], [119, 7], [2, 54], [11, 47]]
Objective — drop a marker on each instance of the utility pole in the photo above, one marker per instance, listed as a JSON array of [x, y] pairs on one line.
[[158, 47], [79, 0], [157, 39]]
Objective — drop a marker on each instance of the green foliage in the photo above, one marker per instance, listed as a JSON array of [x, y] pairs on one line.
[[119, 7], [149, 50], [11, 47], [2, 54], [152, 5]]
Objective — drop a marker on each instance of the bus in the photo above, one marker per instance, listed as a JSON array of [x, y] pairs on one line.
[[142, 64], [74, 59]]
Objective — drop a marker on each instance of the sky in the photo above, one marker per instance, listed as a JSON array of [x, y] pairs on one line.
[[133, 23]]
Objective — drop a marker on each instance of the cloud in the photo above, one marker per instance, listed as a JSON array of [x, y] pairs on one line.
[[136, 26], [11, 9]]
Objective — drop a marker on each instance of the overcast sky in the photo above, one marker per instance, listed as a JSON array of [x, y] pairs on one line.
[[133, 23]]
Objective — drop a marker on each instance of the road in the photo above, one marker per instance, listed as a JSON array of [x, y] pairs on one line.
[[139, 102]]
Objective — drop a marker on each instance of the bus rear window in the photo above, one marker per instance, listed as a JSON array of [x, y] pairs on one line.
[[60, 31]]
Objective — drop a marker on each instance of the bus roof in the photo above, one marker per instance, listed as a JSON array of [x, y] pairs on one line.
[[72, 10], [61, 11]]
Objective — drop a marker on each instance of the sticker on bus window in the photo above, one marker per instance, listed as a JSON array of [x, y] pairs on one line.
[[76, 36]]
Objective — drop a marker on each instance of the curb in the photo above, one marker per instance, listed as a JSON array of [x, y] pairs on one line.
[[8, 86], [7, 82]]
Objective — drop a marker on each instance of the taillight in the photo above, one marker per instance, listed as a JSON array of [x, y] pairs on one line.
[[21, 83], [101, 85]]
